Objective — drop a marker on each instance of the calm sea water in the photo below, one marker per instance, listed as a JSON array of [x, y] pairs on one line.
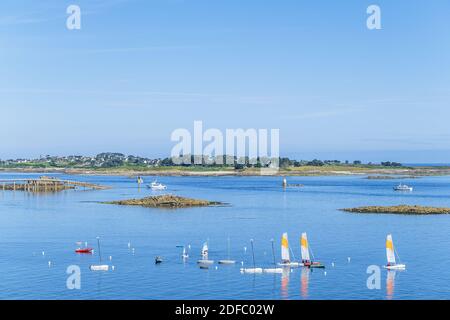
[[259, 209]]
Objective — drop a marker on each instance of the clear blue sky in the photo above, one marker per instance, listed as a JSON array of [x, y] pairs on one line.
[[139, 69]]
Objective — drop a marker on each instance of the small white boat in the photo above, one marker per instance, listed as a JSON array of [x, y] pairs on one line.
[[100, 266], [251, 270], [273, 270], [184, 255], [228, 260], [403, 187], [204, 260], [285, 255], [390, 255], [157, 186]]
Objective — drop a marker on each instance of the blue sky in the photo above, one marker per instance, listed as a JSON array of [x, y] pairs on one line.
[[139, 69]]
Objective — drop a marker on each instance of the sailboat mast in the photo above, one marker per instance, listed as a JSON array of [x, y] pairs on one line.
[[99, 252], [253, 254], [273, 253]]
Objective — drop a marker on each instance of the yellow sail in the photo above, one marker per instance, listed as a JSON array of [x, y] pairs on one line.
[[285, 257], [390, 254], [304, 247]]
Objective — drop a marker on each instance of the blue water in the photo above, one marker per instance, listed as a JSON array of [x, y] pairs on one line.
[[259, 209]]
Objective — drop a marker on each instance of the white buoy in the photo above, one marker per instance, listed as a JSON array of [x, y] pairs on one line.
[[348, 259], [49, 264], [217, 268], [113, 267], [245, 249], [332, 264], [189, 246], [110, 258], [43, 253], [242, 263], [129, 245], [325, 273]]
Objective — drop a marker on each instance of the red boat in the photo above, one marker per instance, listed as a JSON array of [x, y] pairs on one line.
[[84, 250]]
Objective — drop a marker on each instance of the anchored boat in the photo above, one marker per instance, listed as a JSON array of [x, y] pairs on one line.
[[285, 256], [390, 254], [185, 254], [100, 266], [228, 260], [83, 250], [204, 260], [306, 259], [157, 186], [403, 187]]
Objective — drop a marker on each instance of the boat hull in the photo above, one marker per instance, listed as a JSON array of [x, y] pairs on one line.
[[205, 262], [317, 265], [84, 250], [227, 262], [291, 264], [251, 270], [396, 267], [273, 270], [99, 267]]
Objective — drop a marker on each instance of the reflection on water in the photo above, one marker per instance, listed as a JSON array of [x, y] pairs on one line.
[[304, 282], [261, 210], [285, 283], [390, 284]]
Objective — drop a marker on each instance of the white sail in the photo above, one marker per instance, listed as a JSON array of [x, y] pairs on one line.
[[285, 248], [205, 251], [305, 248], [390, 254]]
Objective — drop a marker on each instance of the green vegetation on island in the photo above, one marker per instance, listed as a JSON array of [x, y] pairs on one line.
[[120, 164], [400, 209], [391, 177], [166, 201]]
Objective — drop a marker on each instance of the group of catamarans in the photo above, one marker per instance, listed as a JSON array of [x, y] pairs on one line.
[[307, 257], [286, 262]]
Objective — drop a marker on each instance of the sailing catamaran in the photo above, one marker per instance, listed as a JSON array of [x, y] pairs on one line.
[[228, 260], [204, 260], [390, 254], [100, 266], [285, 256], [254, 269], [306, 260]]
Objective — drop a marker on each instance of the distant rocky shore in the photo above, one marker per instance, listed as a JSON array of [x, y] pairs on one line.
[[369, 172], [401, 209], [391, 177]]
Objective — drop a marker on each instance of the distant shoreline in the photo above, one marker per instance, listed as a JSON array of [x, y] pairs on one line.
[[294, 171]]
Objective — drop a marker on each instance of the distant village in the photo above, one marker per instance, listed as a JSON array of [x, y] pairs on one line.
[[113, 160]]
